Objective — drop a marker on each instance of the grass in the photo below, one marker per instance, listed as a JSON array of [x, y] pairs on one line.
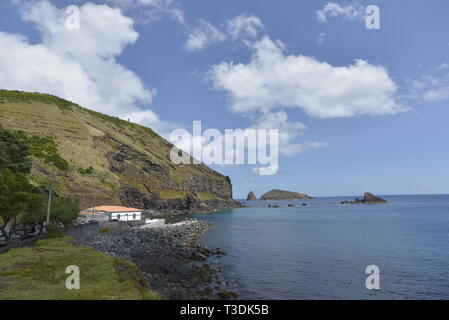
[[38, 273], [208, 196], [20, 96], [166, 194], [171, 194]]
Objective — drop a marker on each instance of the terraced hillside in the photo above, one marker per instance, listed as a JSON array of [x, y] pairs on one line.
[[105, 160]]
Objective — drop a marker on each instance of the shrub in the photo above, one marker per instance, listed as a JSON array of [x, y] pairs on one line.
[[58, 162], [44, 148], [54, 231]]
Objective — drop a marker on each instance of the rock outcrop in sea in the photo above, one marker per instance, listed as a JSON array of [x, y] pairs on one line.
[[251, 196], [368, 198], [283, 195]]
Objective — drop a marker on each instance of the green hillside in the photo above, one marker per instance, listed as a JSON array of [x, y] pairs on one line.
[[105, 160]]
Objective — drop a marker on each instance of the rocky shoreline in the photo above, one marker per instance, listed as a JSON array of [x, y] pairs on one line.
[[174, 264]]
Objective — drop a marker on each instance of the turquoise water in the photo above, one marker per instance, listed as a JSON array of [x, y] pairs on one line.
[[321, 251]]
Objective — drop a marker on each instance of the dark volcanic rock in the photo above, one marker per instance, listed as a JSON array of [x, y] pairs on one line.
[[371, 198], [368, 198], [173, 263], [251, 196], [158, 207]]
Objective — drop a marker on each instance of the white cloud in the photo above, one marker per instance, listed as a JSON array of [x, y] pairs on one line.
[[431, 86], [78, 65], [202, 36], [244, 26], [149, 10], [273, 79], [150, 119], [352, 12], [205, 33], [288, 131], [436, 95]]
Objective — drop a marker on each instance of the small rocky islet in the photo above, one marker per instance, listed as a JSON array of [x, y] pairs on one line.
[[368, 198], [277, 194]]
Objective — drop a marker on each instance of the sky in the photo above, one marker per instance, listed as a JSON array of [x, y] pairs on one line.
[[357, 109]]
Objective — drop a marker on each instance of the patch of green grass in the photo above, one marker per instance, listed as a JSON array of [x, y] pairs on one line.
[[39, 273], [107, 229], [115, 120], [170, 194], [20, 96], [208, 196]]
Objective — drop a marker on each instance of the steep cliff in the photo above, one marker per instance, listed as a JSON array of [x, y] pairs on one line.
[[105, 160]]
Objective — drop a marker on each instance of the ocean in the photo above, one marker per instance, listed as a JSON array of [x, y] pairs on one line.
[[322, 250]]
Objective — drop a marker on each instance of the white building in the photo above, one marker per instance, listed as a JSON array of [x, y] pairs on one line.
[[113, 213]]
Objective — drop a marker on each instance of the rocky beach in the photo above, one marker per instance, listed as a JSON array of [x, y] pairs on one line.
[[173, 263]]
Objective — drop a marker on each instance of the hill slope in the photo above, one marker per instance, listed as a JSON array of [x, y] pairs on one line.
[[105, 160]]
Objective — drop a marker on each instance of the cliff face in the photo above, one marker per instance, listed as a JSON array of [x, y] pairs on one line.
[[105, 160], [283, 195]]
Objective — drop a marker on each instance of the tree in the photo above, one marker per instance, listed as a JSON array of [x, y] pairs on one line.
[[13, 153], [18, 200], [21, 202], [65, 210]]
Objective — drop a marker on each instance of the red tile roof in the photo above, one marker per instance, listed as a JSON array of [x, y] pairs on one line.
[[109, 209]]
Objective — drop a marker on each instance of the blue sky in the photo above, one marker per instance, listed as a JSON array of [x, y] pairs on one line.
[[378, 126]]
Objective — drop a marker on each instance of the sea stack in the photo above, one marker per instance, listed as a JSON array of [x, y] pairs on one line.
[[251, 196]]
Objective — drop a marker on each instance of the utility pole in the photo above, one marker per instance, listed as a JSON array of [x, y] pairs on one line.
[[49, 205]]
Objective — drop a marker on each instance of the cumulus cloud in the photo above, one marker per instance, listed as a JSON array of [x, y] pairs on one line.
[[352, 12], [87, 74], [203, 35], [273, 79], [151, 119], [244, 26], [288, 131]]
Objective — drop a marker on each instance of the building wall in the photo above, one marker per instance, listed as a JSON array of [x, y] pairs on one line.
[[100, 217], [126, 216]]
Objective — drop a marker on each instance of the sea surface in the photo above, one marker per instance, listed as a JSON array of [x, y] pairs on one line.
[[322, 250]]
